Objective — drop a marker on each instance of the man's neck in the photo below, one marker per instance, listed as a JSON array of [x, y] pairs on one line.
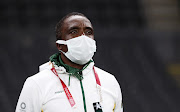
[[68, 62]]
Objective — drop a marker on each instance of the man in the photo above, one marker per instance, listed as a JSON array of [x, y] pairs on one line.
[[69, 82]]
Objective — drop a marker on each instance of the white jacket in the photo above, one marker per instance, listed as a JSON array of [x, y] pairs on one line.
[[44, 92]]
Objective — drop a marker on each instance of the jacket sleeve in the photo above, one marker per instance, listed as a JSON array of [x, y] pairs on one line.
[[119, 104], [29, 99]]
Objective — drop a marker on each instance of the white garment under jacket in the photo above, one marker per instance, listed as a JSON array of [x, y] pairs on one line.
[[44, 92]]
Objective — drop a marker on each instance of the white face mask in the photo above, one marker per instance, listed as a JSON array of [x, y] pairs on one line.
[[80, 49]]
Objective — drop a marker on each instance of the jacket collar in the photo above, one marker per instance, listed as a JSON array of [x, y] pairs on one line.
[[62, 70]]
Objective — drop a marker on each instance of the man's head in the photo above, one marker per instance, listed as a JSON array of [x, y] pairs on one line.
[[75, 36], [73, 25]]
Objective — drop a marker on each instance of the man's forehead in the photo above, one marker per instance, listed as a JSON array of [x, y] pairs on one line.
[[75, 20], [76, 17]]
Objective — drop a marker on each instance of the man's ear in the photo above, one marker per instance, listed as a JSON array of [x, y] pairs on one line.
[[59, 46]]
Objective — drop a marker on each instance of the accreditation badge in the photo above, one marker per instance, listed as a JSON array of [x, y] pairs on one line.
[[97, 107]]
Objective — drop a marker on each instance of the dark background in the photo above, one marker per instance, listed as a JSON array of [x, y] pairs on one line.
[[137, 41]]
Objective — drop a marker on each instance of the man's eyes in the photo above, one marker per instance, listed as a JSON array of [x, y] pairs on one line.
[[87, 32], [73, 31]]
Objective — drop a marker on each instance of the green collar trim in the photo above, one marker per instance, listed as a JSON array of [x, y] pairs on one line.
[[56, 58]]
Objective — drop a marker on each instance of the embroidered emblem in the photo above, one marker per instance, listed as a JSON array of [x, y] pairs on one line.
[[97, 107]]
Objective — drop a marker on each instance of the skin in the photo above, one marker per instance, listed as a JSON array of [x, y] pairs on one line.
[[73, 27]]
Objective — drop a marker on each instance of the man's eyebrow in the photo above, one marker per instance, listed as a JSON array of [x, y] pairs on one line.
[[90, 28], [74, 27]]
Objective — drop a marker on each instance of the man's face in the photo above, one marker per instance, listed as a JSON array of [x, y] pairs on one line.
[[75, 26]]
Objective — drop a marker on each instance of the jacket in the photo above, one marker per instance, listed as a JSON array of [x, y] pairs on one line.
[[43, 92]]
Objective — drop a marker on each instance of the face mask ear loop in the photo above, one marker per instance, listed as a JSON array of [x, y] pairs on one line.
[[62, 51], [61, 42]]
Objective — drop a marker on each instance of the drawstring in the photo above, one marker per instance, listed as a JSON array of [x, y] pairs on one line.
[[83, 94], [78, 74], [69, 81]]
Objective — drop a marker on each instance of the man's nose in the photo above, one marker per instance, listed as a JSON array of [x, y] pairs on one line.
[[81, 33]]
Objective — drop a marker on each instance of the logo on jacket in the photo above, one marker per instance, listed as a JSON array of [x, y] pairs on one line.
[[23, 105], [58, 92], [97, 107]]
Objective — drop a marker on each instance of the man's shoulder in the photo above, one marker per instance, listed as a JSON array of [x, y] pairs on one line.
[[44, 76], [102, 71], [108, 81], [41, 75], [104, 74], [44, 72]]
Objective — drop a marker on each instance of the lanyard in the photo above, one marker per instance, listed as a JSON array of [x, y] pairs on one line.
[[67, 92], [98, 84]]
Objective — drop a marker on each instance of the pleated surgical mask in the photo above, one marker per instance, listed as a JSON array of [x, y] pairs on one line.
[[80, 49]]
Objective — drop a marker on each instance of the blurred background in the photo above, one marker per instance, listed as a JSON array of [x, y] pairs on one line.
[[137, 40]]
